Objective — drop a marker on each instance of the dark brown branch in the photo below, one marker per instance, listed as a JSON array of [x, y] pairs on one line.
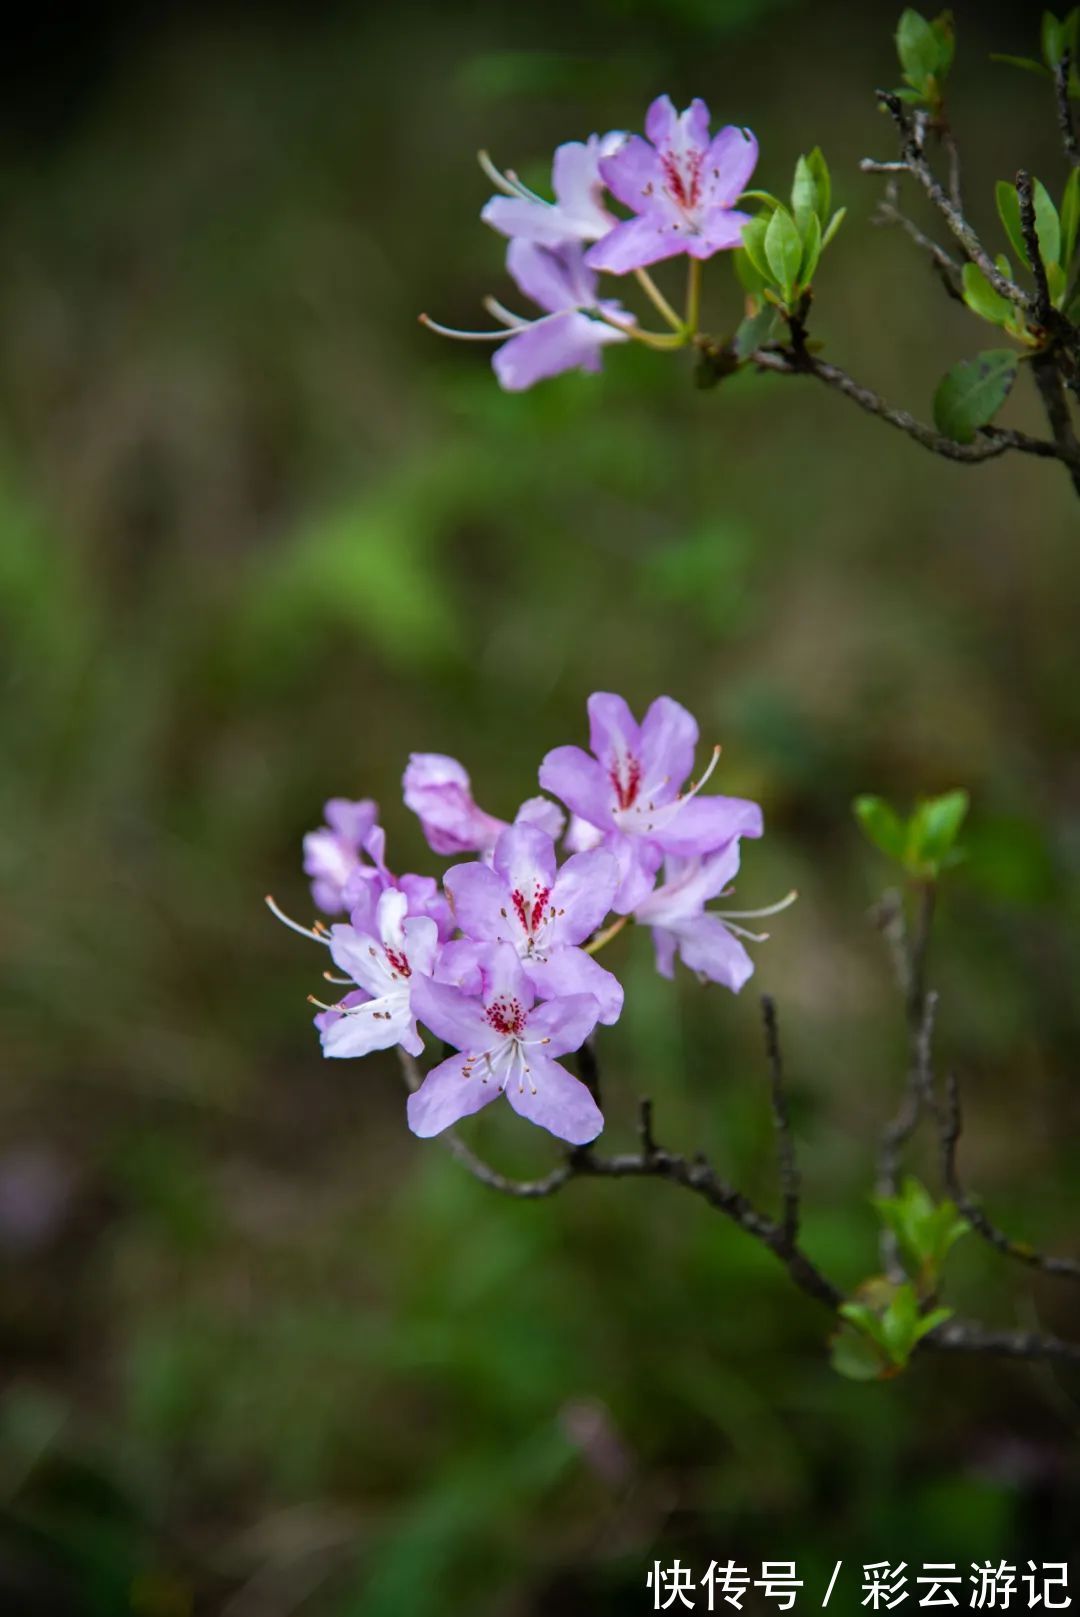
[[951, 1128], [1025, 192], [987, 445], [790, 1181], [1064, 110], [1051, 386]]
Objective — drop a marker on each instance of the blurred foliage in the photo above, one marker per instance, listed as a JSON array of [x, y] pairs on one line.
[[260, 536]]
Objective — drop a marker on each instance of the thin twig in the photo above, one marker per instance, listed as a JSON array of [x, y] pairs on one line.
[[913, 158], [951, 1121], [790, 1181], [965, 1336], [948, 269], [1064, 109]]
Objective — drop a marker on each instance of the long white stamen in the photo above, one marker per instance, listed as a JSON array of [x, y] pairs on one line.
[[523, 190], [507, 316], [508, 184], [740, 931], [753, 915], [294, 926], [462, 336]]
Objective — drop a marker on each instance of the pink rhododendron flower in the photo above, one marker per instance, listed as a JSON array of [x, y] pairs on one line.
[[385, 965], [507, 1045], [368, 882], [578, 212], [630, 789], [439, 792], [681, 185], [569, 336], [543, 912], [332, 854], [570, 333], [706, 941]]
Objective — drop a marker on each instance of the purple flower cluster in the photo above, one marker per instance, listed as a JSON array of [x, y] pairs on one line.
[[498, 961], [679, 186]]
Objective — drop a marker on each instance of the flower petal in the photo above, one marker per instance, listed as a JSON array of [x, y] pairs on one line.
[[707, 947], [583, 894], [523, 220], [729, 162], [570, 774], [525, 860], [542, 812], [556, 1101], [704, 824], [662, 122], [360, 956], [438, 791], [375, 1026], [445, 1096], [635, 243], [421, 944], [555, 278], [633, 173], [567, 972], [548, 347], [452, 1016], [669, 735], [613, 730], [638, 861], [478, 897]]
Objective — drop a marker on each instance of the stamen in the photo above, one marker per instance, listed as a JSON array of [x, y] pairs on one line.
[[294, 926], [507, 316], [462, 336], [740, 931], [524, 190], [342, 982], [507, 183], [752, 915], [324, 1007]]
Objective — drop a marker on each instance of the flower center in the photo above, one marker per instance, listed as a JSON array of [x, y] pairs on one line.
[[682, 171], [506, 1015], [625, 777], [399, 962], [530, 914]]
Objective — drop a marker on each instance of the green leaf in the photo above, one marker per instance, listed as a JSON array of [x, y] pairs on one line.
[[945, 34], [881, 826], [1047, 224], [1054, 36], [1070, 217], [783, 250], [750, 277], [980, 297], [899, 1324], [1008, 206], [834, 225], [1026, 62], [803, 195], [760, 196], [823, 180], [936, 824], [930, 1322], [754, 330], [971, 394], [754, 246], [811, 250], [918, 49], [853, 1355]]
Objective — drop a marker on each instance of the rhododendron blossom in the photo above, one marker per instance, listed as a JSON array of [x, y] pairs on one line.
[[578, 212], [681, 185], [508, 1046], [497, 958], [630, 790], [544, 913], [332, 853]]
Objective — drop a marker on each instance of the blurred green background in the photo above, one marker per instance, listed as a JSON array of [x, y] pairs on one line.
[[261, 536]]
